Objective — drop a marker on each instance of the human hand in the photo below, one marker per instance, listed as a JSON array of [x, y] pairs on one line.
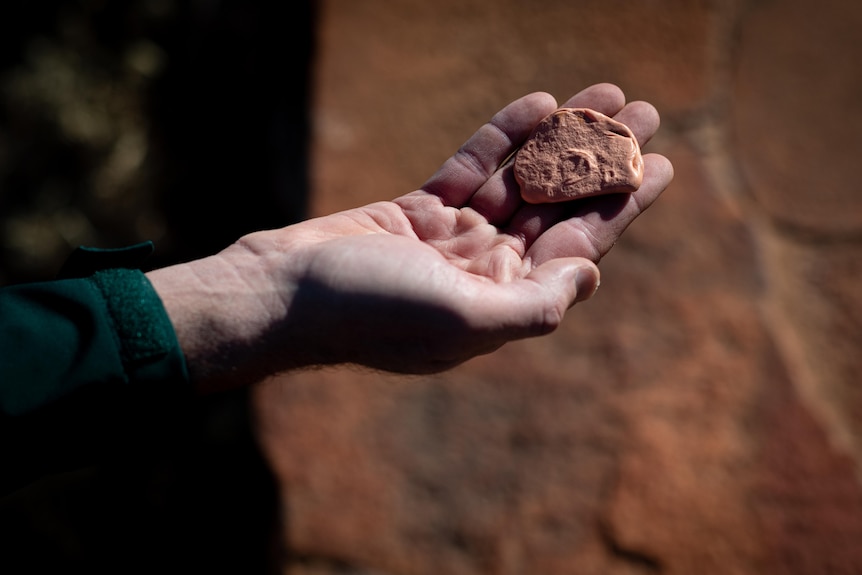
[[418, 284]]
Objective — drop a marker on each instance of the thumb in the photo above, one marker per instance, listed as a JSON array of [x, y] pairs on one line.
[[536, 304], [574, 279]]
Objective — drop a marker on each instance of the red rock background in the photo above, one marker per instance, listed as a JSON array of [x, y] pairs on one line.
[[701, 414]]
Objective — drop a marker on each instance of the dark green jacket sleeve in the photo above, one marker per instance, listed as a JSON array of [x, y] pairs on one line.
[[83, 359]]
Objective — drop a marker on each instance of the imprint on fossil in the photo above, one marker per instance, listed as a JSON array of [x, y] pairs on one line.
[[575, 153]]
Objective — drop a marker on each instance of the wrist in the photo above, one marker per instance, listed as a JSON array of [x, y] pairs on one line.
[[226, 310]]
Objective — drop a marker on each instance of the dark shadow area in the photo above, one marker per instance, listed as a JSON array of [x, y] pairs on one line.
[[185, 123], [231, 124], [138, 488]]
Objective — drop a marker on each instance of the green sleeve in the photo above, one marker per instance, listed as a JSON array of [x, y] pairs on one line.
[[106, 329], [79, 354]]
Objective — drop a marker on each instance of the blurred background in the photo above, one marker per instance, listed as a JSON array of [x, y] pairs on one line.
[[701, 414]]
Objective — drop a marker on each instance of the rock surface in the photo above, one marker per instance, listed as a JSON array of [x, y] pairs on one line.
[[576, 153], [701, 413]]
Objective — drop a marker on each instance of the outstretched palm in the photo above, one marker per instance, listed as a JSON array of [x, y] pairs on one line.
[[463, 265], [471, 211]]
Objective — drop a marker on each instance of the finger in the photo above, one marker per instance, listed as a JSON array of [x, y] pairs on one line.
[[642, 119], [605, 98], [596, 223], [499, 198], [536, 304], [471, 166], [562, 275]]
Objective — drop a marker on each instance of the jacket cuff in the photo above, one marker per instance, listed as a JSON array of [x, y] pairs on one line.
[[148, 345], [145, 336]]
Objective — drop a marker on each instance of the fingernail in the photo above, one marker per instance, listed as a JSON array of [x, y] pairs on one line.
[[587, 282]]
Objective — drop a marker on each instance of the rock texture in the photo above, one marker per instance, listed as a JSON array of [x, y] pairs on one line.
[[576, 153], [701, 414]]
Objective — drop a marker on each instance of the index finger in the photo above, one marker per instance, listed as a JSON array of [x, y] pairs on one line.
[[470, 167], [499, 199]]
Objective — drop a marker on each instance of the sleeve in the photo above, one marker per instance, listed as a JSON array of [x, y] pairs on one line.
[[83, 360]]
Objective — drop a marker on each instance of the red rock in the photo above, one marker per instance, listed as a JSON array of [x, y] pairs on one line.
[[575, 153]]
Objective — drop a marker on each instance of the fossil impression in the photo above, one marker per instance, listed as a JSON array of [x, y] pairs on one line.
[[576, 153]]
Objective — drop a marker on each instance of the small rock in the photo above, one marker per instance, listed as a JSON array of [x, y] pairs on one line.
[[575, 153]]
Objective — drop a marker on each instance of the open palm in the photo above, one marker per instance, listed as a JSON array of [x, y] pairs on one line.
[[417, 284], [463, 265]]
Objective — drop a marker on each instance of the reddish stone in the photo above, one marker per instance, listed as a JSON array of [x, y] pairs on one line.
[[796, 114], [805, 493], [664, 427], [576, 153]]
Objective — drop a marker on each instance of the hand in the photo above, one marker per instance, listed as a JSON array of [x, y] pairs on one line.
[[418, 284]]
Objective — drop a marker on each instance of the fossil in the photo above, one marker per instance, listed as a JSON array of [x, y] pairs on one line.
[[575, 153]]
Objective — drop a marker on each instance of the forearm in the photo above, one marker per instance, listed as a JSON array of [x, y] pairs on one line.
[[323, 293], [230, 314]]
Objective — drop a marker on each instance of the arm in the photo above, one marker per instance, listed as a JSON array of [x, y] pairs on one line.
[[101, 325], [418, 284], [88, 363]]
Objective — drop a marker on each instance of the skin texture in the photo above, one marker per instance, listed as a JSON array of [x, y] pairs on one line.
[[418, 284], [576, 153]]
